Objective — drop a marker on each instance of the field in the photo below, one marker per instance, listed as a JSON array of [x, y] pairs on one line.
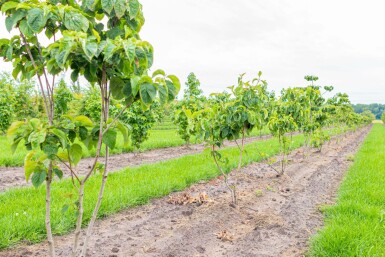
[[103, 154], [261, 190]]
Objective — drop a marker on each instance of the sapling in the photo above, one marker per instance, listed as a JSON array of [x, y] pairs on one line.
[[109, 54]]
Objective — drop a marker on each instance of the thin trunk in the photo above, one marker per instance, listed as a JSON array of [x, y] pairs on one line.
[[241, 150], [232, 189], [79, 220], [97, 206], [51, 244]]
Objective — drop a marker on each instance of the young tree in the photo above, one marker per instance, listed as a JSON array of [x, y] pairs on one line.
[[62, 97], [109, 54], [193, 101]]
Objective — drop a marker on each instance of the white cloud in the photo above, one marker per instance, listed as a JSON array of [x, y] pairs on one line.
[[342, 42]]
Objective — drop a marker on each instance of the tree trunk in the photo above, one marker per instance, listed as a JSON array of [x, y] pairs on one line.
[[79, 220], [51, 244], [97, 206]]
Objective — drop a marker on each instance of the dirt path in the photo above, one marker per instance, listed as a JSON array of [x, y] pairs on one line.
[[277, 222], [14, 176]]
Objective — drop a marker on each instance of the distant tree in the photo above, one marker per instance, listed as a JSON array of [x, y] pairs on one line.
[[368, 114], [192, 87], [62, 97]]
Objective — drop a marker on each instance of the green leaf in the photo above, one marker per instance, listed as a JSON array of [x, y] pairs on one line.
[[15, 127], [116, 87], [74, 75], [8, 6], [172, 92], [30, 165], [120, 8], [129, 49], [124, 130], [15, 144], [158, 72], [76, 21], [9, 52], [175, 81], [135, 85], [36, 138], [147, 93], [75, 153], [38, 178], [109, 138], [109, 50], [58, 172], [83, 121], [107, 5], [36, 20], [50, 150], [134, 7], [90, 47], [25, 29], [11, 21], [61, 135], [163, 93]]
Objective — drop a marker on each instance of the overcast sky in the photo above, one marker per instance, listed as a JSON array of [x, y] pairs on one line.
[[342, 42]]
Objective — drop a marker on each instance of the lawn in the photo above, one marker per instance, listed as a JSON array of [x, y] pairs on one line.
[[355, 225]]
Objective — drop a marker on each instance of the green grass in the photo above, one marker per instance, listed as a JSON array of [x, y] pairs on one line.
[[355, 226], [158, 138], [22, 209]]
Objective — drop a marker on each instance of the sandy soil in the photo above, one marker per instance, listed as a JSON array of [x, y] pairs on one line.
[[14, 176], [277, 222]]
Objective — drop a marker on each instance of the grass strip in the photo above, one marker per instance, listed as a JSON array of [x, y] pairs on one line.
[[355, 225]]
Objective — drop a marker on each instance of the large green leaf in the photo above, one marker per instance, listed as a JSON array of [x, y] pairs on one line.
[[83, 121], [36, 19], [11, 21], [129, 49], [38, 178], [147, 93], [25, 29], [158, 72], [175, 81], [61, 136], [75, 153], [134, 6], [108, 5], [172, 92], [30, 165], [37, 137], [120, 8], [8, 6], [75, 21], [116, 87], [124, 130], [163, 93], [109, 138], [90, 47]]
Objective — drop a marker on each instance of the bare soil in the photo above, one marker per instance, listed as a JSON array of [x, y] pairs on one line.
[[275, 216], [14, 176]]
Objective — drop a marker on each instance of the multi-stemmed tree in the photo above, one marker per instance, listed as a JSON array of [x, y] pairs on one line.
[[95, 39]]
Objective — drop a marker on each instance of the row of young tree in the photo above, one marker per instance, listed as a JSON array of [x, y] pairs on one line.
[[250, 105], [100, 41]]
